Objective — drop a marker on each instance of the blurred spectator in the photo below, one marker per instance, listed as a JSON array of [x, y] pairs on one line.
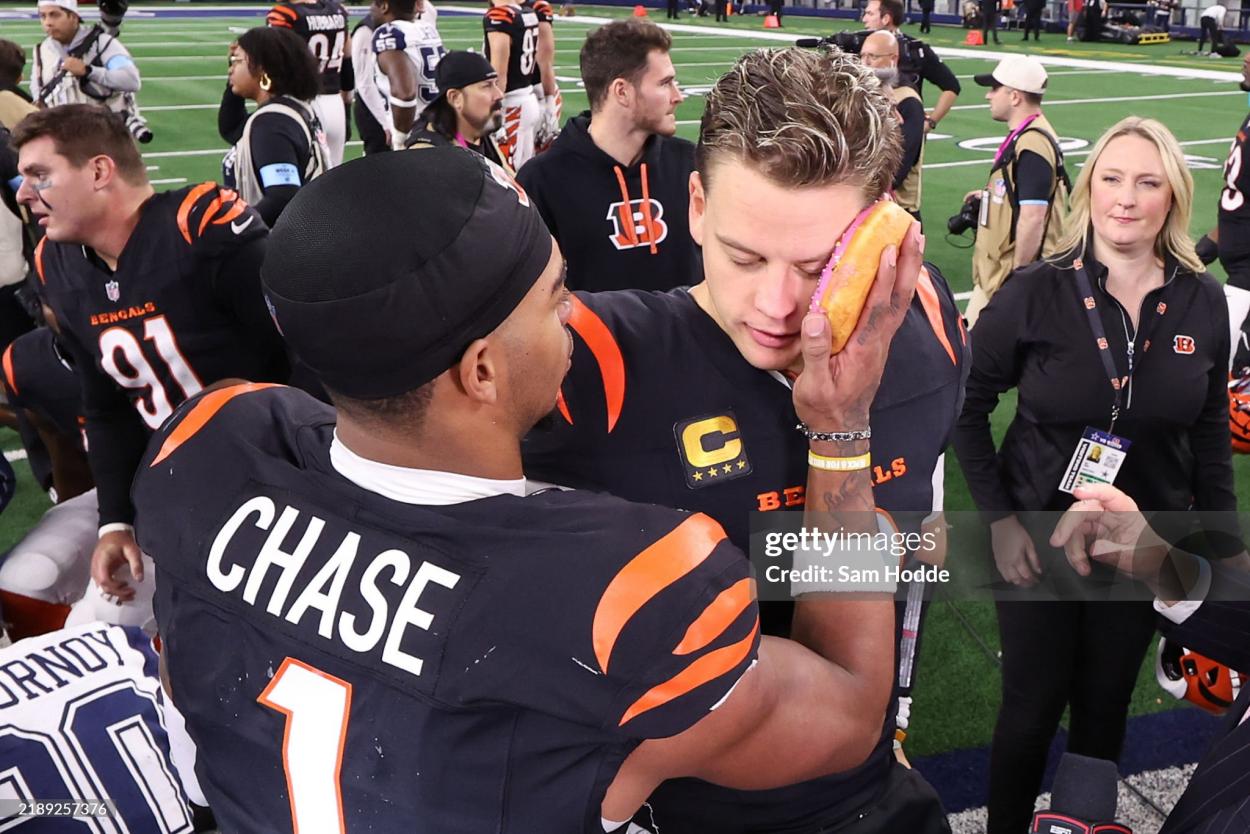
[[917, 62], [1212, 26], [369, 108], [926, 9], [322, 24], [15, 102], [75, 64], [280, 146], [1074, 334], [1163, 13], [880, 52], [1033, 18], [990, 10], [468, 109]]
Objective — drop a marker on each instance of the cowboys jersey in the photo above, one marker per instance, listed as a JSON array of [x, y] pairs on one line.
[[450, 667], [420, 41], [520, 24], [85, 720], [323, 25], [1234, 216]]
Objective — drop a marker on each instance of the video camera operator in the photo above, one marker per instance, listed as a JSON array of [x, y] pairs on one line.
[[917, 62], [77, 64]]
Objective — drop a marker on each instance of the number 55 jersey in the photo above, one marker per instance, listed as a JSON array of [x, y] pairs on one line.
[[358, 647], [182, 309]]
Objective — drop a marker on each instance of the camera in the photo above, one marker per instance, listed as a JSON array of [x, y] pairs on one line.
[[138, 127], [111, 14], [966, 218]]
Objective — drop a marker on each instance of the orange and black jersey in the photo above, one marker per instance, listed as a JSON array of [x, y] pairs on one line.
[[520, 24], [183, 309], [1234, 214], [477, 671], [38, 376], [40, 385], [323, 25], [660, 406]]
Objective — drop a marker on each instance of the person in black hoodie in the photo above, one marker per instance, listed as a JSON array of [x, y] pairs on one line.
[[614, 186]]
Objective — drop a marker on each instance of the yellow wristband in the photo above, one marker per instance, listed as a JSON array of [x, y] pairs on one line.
[[829, 464]]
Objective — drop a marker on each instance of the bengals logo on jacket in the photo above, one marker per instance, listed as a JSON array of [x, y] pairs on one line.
[[637, 223]]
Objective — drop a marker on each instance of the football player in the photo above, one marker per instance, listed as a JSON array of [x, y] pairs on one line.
[[512, 49], [686, 398], [1230, 240], [156, 295], [323, 25], [369, 106], [407, 48], [395, 629], [86, 722], [549, 98]]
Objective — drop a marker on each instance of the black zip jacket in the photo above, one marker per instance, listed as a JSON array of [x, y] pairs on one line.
[[619, 227], [1035, 336]]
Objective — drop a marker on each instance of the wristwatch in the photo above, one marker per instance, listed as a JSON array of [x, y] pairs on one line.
[[930, 122]]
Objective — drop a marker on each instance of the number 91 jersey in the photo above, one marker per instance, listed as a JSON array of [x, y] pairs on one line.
[[159, 325], [420, 41], [85, 720], [1234, 218]]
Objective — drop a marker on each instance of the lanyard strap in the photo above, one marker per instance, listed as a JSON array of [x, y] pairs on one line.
[[1100, 339], [1011, 137]]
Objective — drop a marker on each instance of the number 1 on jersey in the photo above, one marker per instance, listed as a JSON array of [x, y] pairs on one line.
[[316, 706]]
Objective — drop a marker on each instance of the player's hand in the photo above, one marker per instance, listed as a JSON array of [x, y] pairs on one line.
[[1104, 524], [75, 67], [112, 551], [1014, 553], [834, 392]]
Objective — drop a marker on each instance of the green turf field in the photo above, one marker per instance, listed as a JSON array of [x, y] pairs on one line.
[[183, 62]]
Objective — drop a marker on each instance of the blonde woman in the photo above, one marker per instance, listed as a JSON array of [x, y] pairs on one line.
[[1129, 302]]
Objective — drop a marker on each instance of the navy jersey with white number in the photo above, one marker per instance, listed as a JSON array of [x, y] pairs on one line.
[[83, 717], [476, 667], [323, 25], [1234, 217]]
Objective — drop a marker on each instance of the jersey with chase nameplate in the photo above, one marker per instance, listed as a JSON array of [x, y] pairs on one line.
[[482, 666]]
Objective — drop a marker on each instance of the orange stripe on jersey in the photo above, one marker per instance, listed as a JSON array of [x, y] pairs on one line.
[[928, 296], [43, 279], [7, 362], [718, 616], [188, 203], [542, 7], [202, 412], [676, 554], [234, 211], [607, 353], [707, 668], [501, 13], [281, 16], [208, 214], [563, 407]]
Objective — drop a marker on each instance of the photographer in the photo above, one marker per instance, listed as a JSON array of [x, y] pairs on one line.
[[1023, 205], [880, 53], [76, 64], [917, 62]]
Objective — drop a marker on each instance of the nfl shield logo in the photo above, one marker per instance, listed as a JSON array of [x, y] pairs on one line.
[[113, 290]]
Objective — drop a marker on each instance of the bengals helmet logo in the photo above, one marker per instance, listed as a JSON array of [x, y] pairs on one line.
[[637, 223], [1183, 344]]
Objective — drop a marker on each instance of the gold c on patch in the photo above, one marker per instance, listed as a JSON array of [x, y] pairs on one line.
[[711, 450]]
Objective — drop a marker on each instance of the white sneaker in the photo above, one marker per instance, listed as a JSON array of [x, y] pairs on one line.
[[1071, 39]]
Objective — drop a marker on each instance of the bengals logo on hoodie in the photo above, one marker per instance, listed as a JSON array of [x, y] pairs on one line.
[[637, 223]]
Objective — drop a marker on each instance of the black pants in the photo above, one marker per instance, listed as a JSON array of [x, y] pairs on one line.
[[1033, 23], [774, 8], [1082, 655], [372, 134], [1163, 19], [1209, 30], [925, 11], [672, 9], [989, 21]]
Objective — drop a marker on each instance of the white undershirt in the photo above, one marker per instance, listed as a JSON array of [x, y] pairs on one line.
[[416, 486]]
